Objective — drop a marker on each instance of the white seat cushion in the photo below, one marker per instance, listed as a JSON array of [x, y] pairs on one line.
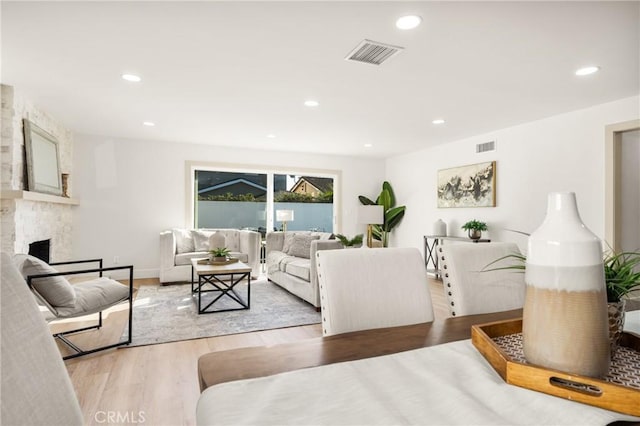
[[185, 258], [274, 258], [300, 268], [285, 261], [94, 296]]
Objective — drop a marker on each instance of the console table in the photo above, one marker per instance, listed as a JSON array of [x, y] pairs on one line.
[[431, 243]]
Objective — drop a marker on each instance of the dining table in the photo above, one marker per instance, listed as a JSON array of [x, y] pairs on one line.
[[414, 374]]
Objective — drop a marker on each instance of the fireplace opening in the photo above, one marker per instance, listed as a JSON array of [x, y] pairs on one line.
[[40, 249]]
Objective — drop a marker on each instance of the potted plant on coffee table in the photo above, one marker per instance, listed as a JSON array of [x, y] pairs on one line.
[[475, 228], [219, 254], [353, 242]]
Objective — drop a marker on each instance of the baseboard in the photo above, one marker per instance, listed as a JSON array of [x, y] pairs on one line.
[[137, 273]]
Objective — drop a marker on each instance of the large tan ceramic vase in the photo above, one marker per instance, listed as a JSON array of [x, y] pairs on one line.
[[565, 324]]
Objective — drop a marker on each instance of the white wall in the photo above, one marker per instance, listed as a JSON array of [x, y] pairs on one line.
[[130, 190], [560, 153]]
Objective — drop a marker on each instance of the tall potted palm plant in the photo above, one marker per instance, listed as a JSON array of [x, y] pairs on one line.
[[392, 214]]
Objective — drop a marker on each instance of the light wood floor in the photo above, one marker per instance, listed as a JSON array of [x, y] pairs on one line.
[[157, 384]]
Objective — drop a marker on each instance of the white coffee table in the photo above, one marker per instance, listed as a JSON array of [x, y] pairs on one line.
[[210, 279]]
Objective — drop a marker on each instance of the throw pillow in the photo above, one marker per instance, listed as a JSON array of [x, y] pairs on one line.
[[217, 240], [201, 240], [57, 291], [184, 241], [301, 245], [288, 239]]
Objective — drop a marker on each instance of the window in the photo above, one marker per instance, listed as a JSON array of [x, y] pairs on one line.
[[230, 200], [223, 197], [309, 197]]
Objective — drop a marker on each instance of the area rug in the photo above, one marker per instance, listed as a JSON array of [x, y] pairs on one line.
[[164, 314]]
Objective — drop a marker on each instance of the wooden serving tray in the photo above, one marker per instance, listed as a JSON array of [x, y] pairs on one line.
[[501, 344]]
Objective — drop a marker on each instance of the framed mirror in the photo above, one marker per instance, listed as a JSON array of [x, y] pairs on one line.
[[43, 160]]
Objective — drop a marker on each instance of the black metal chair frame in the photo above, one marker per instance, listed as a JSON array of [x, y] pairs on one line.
[[62, 335]]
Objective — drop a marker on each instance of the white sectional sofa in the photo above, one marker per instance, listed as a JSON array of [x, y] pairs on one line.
[[291, 261], [178, 246]]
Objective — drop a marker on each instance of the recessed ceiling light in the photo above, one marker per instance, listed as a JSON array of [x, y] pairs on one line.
[[438, 121], [311, 103], [408, 22], [149, 123], [587, 70], [367, 145], [131, 77], [271, 136]]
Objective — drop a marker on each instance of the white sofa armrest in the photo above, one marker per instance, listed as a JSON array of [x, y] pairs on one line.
[[167, 249], [250, 244]]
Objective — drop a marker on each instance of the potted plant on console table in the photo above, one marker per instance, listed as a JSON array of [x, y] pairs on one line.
[[475, 228]]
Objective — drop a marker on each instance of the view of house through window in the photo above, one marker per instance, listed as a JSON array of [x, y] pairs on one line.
[[230, 200], [240, 200], [309, 198]]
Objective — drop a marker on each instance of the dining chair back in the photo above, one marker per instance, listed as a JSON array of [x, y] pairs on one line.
[[478, 278], [366, 288]]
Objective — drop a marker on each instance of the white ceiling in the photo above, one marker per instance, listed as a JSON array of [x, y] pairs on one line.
[[230, 73]]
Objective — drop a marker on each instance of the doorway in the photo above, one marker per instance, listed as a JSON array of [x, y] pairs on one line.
[[622, 189]]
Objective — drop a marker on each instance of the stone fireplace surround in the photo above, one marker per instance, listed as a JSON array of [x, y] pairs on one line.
[[29, 218]]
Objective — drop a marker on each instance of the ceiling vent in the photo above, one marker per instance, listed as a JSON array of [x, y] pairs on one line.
[[485, 147], [372, 52]]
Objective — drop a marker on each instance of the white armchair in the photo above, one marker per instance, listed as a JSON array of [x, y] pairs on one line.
[[179, 246], [363, 289], [470, 290]]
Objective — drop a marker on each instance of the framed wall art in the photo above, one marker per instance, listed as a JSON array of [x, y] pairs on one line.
[[468, 186], [43, 160]]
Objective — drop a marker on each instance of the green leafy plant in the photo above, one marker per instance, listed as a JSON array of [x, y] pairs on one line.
[[474, 225], [621, 273], [220, 252], [519, 263], [232, 197], [392, 214], [294, 197], [353, 242]]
